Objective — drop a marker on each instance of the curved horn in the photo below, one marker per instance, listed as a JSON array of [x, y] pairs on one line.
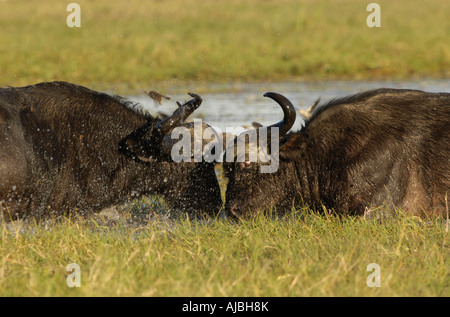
[[288, 110], [179, 115]]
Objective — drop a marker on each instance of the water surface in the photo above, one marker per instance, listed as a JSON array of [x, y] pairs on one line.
[[244, 103]]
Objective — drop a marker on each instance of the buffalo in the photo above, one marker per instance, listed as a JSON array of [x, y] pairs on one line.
[[65, 148], [387, 148]]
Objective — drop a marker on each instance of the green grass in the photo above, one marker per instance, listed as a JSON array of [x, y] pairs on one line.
[[302, 254], [133, 45]]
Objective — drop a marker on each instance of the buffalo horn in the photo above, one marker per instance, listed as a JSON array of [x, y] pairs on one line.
[[179, 115], [288, 110]]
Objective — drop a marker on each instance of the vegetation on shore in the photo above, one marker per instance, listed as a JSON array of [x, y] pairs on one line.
[[132, 45], [302, 254]]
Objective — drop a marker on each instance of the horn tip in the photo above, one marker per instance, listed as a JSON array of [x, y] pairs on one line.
[[194, 95], [273, 95]]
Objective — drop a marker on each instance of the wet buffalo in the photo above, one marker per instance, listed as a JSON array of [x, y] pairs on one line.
[[385, 147], [66, 148]]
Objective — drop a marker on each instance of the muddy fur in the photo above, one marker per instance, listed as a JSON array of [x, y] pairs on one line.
[[59, 153], [386, 147]]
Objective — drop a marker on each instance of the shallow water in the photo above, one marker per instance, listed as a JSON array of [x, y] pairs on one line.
[[244, 103]]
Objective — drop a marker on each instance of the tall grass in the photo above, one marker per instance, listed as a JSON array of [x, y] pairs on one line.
[[303, 254], [129, 45]]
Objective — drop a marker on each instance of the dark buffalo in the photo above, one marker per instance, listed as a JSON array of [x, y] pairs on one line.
[[386, 147], [66, 148]]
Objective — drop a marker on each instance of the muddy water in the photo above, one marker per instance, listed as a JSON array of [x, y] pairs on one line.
[[240, 104]]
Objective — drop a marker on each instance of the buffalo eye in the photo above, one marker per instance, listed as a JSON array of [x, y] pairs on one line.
[[246, 164], [227, 169]]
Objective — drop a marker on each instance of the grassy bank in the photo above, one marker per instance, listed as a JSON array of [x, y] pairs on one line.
[[130, 45], [303, 254]]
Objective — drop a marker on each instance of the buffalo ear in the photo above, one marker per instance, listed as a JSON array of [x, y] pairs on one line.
[[293, 148], [146, 159], [135, 149]]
